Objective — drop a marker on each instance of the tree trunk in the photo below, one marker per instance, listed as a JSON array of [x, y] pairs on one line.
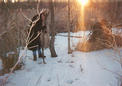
[[68, 26], [52, 29]]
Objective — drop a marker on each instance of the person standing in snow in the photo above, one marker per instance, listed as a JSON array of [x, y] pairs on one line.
[[37, 27]]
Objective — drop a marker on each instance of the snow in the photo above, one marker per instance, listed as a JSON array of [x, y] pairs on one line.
[[117, 31], [76, 69], [10, 53]]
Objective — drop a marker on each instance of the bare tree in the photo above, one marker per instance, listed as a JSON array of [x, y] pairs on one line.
[[68, 26], [52, 29]]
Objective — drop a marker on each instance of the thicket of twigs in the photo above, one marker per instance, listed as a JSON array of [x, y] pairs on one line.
[[11, 40]]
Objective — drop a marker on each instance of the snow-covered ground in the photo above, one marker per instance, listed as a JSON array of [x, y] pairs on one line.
[[117, 31], [96, 68]]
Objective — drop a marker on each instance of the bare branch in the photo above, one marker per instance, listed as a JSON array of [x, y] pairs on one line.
[[38, 12], [43, 10], [25, 16]]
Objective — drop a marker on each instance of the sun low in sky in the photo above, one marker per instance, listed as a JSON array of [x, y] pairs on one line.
[[83, 2], [82, 13]]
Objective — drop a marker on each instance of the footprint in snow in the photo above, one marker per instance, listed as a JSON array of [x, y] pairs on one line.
[[70, 62], [71, 66], [59, 61], [49, 80], [76, 79], [70, 81]]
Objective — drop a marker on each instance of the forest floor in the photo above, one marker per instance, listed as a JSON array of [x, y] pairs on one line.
[[97, 68]]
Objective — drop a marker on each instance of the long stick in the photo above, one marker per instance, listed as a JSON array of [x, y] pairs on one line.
[[70, 36]]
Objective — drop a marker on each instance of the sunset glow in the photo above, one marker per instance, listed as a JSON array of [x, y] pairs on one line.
[[82, 13], [83, 2]]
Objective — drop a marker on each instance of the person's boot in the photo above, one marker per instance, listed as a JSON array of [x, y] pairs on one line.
[[41, 55], [35, 58], [44, 61]]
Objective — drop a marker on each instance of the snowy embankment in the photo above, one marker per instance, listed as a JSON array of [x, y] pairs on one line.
[[77, 69]]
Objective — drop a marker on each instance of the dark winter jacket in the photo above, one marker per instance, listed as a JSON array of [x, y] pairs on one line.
[[34, 34]]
